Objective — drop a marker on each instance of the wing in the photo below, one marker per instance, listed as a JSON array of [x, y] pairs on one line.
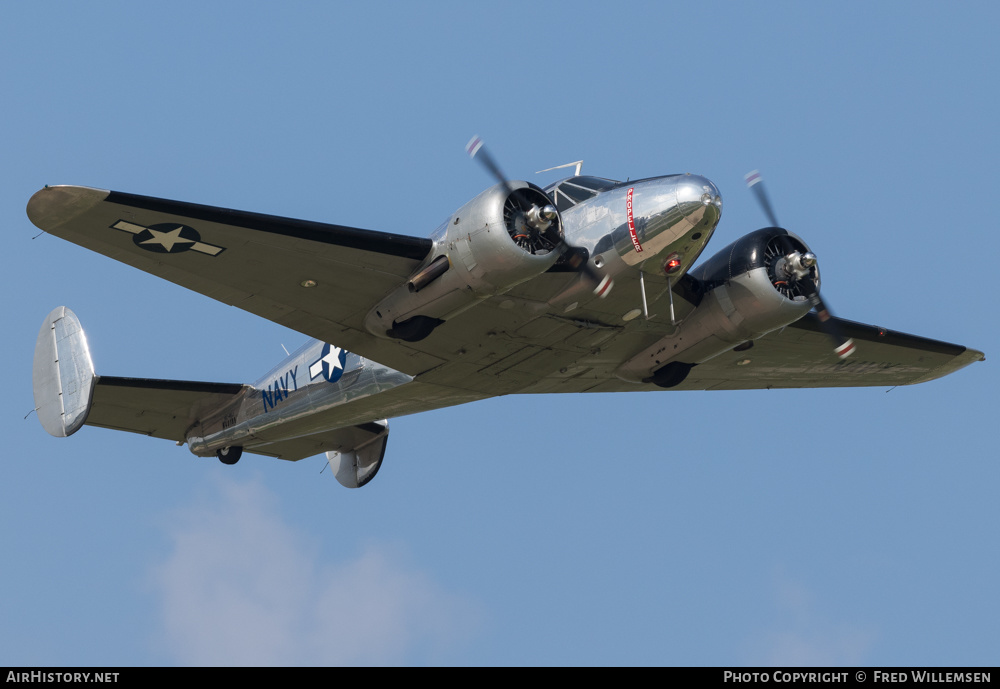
[[515, 342], [799, 357], [256, 262]]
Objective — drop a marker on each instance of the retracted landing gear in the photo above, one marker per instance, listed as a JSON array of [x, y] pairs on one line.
[[229, 455]]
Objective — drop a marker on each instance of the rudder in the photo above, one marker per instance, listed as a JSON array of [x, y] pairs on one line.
[[62, 374]]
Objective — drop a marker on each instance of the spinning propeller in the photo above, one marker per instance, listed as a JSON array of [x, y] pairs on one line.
[[799, 272], [533, 220]]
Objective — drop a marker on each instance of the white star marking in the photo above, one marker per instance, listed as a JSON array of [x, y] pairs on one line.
[[332, 358], [167, 239]]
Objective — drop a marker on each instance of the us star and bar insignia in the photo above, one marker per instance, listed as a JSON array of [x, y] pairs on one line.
[[167, 238], [331, 363]]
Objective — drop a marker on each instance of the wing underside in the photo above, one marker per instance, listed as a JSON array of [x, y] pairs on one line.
[[316, 278], [800, 356]]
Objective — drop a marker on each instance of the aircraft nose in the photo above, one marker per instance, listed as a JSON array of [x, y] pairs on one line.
[[699, 200]]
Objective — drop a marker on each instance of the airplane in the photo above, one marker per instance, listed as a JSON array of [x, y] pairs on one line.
[[586, 285]]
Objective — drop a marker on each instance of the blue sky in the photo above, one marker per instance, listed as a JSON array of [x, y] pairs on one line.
[[770, 527]]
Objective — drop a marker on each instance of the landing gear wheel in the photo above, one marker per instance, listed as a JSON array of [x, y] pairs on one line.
[[229, 455]]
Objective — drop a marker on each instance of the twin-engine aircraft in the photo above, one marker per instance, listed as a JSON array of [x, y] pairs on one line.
[[587, 285]]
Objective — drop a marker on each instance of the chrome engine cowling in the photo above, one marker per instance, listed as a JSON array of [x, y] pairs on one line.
[[752, 283], [496, 241], [747, 290]]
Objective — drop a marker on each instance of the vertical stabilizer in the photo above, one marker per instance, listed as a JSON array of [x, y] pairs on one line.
[[355, 467], [62, 374]]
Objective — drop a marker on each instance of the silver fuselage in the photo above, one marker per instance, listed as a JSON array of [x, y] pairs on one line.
[[294, 399]]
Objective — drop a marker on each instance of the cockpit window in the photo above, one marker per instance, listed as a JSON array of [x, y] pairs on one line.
[[595, 183], [569, 192], [561, 200], [576, 193]]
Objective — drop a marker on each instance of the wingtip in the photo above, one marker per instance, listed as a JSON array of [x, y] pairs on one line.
[[51, 206], [969, 356]]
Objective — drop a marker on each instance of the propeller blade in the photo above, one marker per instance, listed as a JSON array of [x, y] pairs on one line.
[[755, 183], [476, 149], [577, 257], [843, 347]]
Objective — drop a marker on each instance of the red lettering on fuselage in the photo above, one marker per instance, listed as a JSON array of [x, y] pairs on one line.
[[631, 223]]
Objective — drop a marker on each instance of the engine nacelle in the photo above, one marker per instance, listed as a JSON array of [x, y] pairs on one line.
[[748, 287], [745, 294], [489, 245]]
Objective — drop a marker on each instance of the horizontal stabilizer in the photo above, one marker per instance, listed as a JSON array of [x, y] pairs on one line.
[[68, 394], [159, 408], [62, 374]]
